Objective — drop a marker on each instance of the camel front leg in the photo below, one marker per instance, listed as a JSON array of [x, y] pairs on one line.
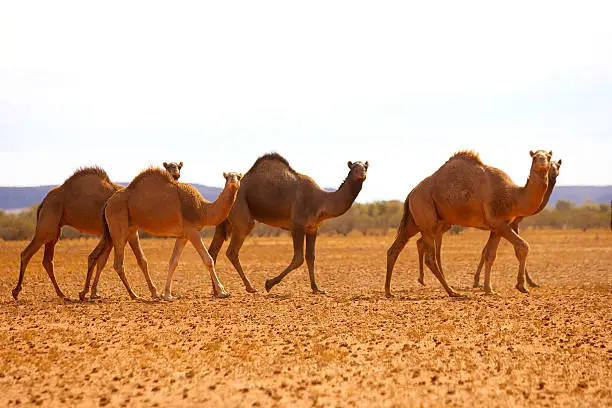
[[521, 249], [311, 239], [194, 237], [179, 245], [296, 262], [530, 281]]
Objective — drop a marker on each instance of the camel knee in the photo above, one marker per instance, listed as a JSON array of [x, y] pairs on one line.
[[522, 250], [489, 256], [298, 260]]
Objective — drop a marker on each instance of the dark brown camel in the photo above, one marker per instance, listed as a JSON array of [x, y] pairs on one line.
[[275, 194], [553, 173], [78, 203], [465, 191]]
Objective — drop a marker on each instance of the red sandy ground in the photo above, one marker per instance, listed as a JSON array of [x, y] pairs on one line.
[[352, 347]]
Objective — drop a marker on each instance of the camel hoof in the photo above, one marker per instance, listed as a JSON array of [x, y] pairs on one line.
[[491, 292], [269, 285], [476, 285], [454, 294], [94, 296], [137, 298], [15, 293], [251, 290], [223, 295], [167, 296], [318, 291], [421, 281], [522, 288], [533, 284], [389, 295], [82, 296]]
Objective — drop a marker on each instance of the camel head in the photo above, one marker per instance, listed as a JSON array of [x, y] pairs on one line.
[[174, 169], [553, 173], [540, 161], [232, 180], [358, 170]]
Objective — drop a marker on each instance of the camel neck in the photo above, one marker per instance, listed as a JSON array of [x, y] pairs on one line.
[[339, 201], [219, 209], [530, 197], [549, 189]]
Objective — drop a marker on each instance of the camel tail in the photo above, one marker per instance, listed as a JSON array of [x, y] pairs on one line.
[[106, 238], [38, 211], [405, 216]]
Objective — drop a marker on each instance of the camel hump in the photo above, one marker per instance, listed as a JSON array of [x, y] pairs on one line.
[[152, 173], [88, 171], [274, 157], [468, 155]]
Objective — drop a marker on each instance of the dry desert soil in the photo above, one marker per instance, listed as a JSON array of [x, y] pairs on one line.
[[351, 347]]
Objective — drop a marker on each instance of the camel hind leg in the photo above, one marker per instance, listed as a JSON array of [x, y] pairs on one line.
[[48, 265], [421, 251], [404, 233], [47, 230], [239, 234], [297, 261], [134, 242], [98, 257]]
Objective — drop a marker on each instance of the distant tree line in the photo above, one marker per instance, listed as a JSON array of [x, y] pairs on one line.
[[377, 218]]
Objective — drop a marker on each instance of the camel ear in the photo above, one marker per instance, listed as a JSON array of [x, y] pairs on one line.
[[559, 162], [367, 165], [240, 176], [550, 154], [165, 165], [225, 175], [350, 164], [180, 165], [531, 153]]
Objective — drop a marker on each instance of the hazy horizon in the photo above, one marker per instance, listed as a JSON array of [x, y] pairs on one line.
[[215, 85]]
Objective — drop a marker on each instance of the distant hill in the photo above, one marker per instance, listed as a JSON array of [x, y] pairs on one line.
[[580, 194], [22, 197]]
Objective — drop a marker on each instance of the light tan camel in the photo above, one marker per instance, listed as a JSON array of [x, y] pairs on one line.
[[465, 191], [78, 203], [553, 173], [274, 193], [156, 203]]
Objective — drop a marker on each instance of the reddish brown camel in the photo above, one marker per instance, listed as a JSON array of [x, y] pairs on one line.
[[156, 203], [553, 173], [465, 191], [78, 203], [274, 193]]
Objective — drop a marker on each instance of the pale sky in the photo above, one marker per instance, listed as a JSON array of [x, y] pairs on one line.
[[216, 84]]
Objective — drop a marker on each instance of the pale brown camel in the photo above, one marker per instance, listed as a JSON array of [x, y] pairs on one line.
[[156, 203], [274, 193], [553, 173], [78, 203], [465, 191]]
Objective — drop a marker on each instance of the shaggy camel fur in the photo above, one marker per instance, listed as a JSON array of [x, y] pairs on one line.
[[465, 191], [553, 173], [156, 203], [78, 203], [274, 193]]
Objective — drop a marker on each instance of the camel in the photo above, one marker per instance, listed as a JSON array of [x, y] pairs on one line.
[[174, 169], [553, 173], [156, 203], [465, 191], [272, 192], [78, 203]]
